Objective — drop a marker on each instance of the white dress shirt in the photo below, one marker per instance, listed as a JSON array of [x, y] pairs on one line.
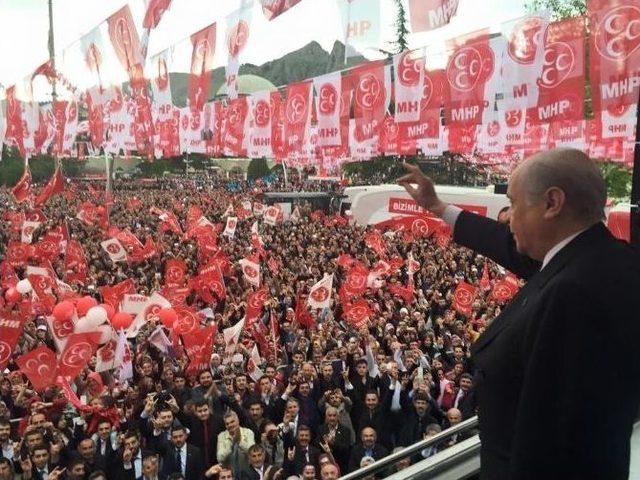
[[183, 458], [136, 464]]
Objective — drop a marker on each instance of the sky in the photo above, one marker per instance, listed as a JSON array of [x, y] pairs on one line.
[[24, 27]]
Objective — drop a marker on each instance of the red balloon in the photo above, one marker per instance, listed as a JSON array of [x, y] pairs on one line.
[[63, 311], [167, 316], [109, 309], [12, 295], [84, 304], [121, 320]]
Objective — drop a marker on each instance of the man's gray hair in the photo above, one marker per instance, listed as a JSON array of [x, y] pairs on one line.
[[230, 414], [573, 172]]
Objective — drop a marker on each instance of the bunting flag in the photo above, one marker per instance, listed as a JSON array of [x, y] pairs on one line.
[[561, 81], [297, 116], [523, 60], [320, 293], [463, 298], [204, 47], [54, 185], [614, 53], [154, 10], [473, 74], [428, 15], [237, 37], [22, 190], [14, 134], [361, 24], [370, 99], [409, 69], [237, 122], [125, 40], [260, 137], [328, 97], [275, 8]]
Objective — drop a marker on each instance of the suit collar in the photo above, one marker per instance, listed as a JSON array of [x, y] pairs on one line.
[[592, 235]]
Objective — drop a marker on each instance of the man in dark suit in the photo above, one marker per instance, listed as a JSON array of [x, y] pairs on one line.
[[367, 447], [301, 453], [204, 428], [574, 323], [129, 464], [257, 468], [337, 436], [181, 457]]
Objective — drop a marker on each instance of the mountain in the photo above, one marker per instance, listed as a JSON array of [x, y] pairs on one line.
[[305, 63]]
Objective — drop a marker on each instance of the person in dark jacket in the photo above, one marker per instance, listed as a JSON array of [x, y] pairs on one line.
[[574, 321], [367, 447]]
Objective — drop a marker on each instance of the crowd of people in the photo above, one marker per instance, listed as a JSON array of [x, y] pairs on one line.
[[329, 396]]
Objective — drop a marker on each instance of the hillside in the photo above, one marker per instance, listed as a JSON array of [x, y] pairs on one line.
[[307, 62]]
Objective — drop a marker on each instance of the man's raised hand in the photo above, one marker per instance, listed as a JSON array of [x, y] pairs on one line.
[[421, 189]]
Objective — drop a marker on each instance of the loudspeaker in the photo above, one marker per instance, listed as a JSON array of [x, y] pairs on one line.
[[500, 188]]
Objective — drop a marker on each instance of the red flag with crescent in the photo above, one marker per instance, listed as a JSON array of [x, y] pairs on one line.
[[204, 47]]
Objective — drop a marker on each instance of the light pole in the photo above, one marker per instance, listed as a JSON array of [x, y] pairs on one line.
[[52, 52]]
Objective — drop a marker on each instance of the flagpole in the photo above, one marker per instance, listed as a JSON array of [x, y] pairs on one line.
[[52, 54], [346, 33], [107, 186]]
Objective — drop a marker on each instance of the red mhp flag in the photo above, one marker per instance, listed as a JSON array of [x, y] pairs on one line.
[[8, 277], [270, 216], [60, 330], [194, 213], [320, 293], [297, 115], [345, 260], [357, 313], [463, 298], [356, 281], [22, 189], [126, 238], [471, 65], [188, 320], [169, 223], [176, 295], [35, 215], [273, 265], [485, 283], [303, 317], [431, 14], [18, 253], [423, 225], [53, 186], [8, 339], [198, 346], [125, 40], [614, 52], [328, 88], [409, 85], [114, 249], [209, 284], [77, 352], [39, 366], [113, 294], [92, 215], [370, 99], [375, 242], [204, 47], [405, 292], [275, 8], [561, 81], [251, 270], [413, 266], [505, 289], [43, 288], [175, 272], [153, 13], [255, 304], [230, 227], [236, 126]]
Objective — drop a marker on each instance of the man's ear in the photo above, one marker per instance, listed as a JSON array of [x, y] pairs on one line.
[[554, 199]]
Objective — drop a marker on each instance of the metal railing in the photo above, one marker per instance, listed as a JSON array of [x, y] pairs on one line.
[[389, 460]]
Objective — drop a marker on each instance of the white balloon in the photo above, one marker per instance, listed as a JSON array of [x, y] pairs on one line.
[[85, 325], [106, 333], [97, 315], [23, 286]]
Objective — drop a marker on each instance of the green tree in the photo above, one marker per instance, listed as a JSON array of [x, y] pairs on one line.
[[560, 8], [617, 178], [401, 43], [257, 168]]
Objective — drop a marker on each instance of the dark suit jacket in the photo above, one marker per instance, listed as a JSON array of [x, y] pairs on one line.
[[575, 322], [357, 454], [195, 468], [341, 445], [215, 425], [299, 460]]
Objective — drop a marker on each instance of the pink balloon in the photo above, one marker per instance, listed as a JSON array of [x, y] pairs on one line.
[[84, 304], [63, 311], [121, 320]]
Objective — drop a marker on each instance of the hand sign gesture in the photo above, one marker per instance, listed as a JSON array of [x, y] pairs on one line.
[[291, 453], [424, 192]]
